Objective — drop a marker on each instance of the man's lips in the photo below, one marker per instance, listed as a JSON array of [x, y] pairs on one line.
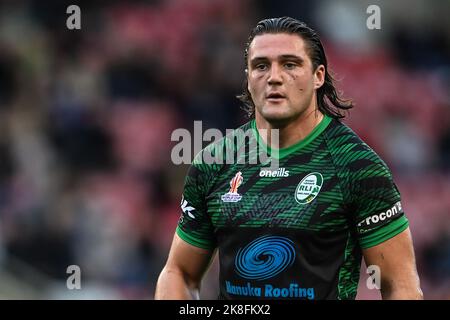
[[275, 96]]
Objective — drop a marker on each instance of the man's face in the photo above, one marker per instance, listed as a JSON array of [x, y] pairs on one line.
[[281, 79]]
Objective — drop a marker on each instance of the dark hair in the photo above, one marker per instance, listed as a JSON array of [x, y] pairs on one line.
[[315, 52]]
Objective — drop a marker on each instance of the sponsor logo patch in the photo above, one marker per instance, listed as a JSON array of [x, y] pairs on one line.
[[308, 189], [265, 257], [281, 172], [233, 195], [381, 218], [186, 208], [260, 260]]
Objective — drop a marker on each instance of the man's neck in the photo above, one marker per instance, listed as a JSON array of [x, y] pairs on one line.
[[289, 133]]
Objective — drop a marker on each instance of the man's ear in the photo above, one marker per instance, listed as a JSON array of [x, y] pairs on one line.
[[319, 76]]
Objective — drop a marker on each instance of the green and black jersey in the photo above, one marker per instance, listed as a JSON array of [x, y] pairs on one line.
[[294, 231]]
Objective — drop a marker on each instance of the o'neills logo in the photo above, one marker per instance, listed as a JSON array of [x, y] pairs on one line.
[[281, 172], [308, 189], [380, 218], [232, 195]]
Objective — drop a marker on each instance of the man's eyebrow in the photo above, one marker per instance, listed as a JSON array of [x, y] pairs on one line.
[[258, 59], [282, 57], [291, 57]]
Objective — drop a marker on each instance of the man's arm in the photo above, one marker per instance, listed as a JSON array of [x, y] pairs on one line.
[[395, 258], [181, 277]]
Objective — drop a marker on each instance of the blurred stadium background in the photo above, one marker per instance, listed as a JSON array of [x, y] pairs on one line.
[[86, 117]]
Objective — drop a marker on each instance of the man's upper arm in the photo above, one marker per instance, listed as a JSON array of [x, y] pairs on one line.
[[398, 273], [190, 260]]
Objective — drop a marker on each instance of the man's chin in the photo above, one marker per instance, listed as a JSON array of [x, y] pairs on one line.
[[277, 119]]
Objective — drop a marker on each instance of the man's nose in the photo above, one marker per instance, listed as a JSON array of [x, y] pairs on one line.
[[275, 75]]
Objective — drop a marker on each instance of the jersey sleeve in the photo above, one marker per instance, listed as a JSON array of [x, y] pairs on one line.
[[378, 212], [194, 225]]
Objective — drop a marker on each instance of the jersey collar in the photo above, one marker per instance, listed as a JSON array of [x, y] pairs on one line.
[[283, 152]]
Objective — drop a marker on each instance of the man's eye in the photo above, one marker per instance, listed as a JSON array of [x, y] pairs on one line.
[[290, 65], [261, 66]]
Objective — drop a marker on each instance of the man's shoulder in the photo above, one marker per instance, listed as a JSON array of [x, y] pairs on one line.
[[225, 144], [348, 149]]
